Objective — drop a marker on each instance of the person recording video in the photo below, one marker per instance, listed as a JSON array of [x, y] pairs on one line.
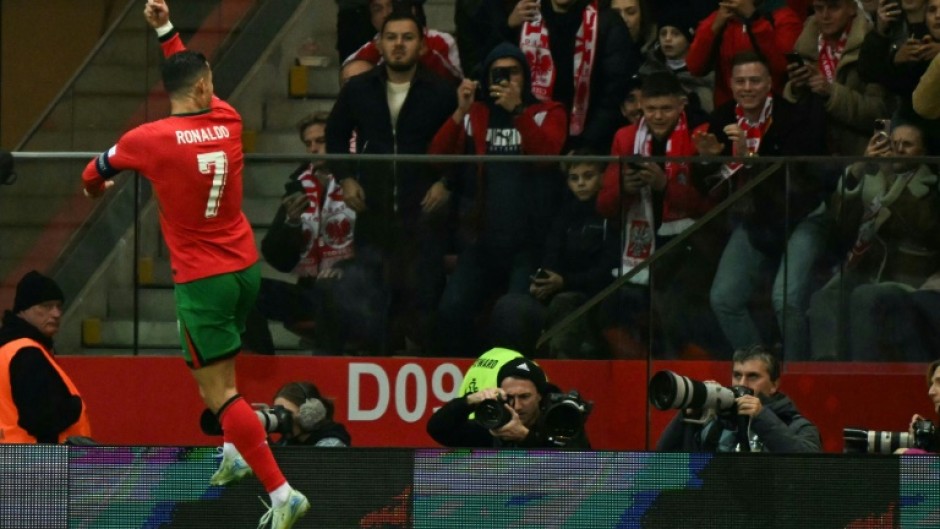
[[754, 417], [523, 411]]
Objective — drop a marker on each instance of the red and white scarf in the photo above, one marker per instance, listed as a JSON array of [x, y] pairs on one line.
[[328, 234], [534, 43], [639, 227], [753, 134], [679, 144], [829, 55]]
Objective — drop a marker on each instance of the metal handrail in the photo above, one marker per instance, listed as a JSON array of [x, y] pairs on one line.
[[657, 255]]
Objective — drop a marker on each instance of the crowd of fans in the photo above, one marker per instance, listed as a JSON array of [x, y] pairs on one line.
[[819, 261]]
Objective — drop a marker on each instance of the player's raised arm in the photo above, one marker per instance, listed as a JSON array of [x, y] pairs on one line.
[[157, 13]]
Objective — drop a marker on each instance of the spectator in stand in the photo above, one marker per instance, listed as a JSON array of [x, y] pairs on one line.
[[400, 207], [892, 214], [580, 55], [640, 21], [515, 202], [438, 51], [765, 26], [630, 107], [675, 34], [901, 62], [581, 250], [785, 215], [894, 54], [38, 401], [830, 46], [655, 203], [311, 234]]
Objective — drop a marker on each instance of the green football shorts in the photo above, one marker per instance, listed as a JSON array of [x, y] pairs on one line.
[[211, 314]]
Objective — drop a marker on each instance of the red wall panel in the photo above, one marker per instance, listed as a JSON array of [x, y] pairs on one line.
[[387, 401]]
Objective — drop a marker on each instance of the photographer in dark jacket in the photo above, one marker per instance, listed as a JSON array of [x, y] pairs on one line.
[[933, 391], [313, 423], [524, 389], [773, 425]]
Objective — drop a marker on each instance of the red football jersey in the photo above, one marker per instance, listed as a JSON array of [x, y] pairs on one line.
[[195, 163]]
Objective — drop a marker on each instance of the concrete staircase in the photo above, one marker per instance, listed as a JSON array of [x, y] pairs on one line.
[[101, 319]]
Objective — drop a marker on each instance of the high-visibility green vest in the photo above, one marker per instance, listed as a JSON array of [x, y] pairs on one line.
[[482, 374]]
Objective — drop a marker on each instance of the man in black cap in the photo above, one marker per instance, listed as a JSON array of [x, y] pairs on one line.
[[522, 390], [44, 406]]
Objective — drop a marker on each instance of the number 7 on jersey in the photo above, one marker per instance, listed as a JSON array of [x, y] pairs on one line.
[[216, 164]]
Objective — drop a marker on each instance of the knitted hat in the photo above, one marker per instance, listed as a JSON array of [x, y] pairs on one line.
[[525, 369], [680, 20], [34, 289]]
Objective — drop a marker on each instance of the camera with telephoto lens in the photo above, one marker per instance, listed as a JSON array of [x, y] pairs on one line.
[[564, 416], [671, 391], [861, 441], [275, 419], [492, 413]]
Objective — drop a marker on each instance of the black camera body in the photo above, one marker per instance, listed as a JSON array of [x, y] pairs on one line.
[[925, 435], [492, 413], [276, 419], [562, 420]]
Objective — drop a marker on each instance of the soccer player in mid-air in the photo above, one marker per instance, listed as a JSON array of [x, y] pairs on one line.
[[194, 160]]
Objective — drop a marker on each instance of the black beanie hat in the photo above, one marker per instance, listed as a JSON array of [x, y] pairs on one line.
[[525, 369], [34, 289], [680, 20]]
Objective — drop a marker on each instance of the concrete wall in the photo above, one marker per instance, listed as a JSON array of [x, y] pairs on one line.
[[42, 44]]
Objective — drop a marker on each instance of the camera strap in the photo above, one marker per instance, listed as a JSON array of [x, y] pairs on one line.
[[744, 441], [713, 432]]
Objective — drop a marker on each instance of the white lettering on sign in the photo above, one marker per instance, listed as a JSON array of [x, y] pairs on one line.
[[411, 385], [437, 383], [402, 393], [356, 371]]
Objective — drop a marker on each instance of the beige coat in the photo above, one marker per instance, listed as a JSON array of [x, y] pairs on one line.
[[927, 94], [853, 105]]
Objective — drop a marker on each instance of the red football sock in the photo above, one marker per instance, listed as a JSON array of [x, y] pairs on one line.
[[240, 426]]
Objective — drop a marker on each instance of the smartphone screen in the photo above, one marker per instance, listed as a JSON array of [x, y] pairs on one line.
[[794, 58]]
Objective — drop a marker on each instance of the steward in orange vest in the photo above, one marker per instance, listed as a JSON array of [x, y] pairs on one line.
[[38, 401]]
